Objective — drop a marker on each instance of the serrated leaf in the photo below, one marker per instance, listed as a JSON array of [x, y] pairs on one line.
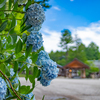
[[3, 25], [18, 47]]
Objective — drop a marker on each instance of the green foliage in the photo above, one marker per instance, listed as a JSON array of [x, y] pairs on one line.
[[13, 51], [65, 39], [92, 51], [59, 57], [93, 68]]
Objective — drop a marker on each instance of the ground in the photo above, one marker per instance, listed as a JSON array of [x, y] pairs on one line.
[[67, 89]]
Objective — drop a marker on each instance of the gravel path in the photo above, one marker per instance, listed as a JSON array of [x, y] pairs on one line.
[[71, 89]]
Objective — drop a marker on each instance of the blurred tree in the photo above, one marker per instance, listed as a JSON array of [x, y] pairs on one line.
[[59, 57], [65, 39], [78, 52], [93, 68], [92, 51]]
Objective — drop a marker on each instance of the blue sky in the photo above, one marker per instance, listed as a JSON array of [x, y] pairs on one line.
[[79, 16]]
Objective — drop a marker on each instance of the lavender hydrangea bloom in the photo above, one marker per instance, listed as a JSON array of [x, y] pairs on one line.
[[35, 15], [35, 39], [28, 96], [3, 89]]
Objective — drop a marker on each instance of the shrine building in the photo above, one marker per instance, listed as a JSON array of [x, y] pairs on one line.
[[72, 68]]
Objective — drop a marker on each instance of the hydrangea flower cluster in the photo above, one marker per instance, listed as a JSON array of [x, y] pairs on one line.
[[49, 68], [35, 15], [28, 96], [35, 39], [3, 89]]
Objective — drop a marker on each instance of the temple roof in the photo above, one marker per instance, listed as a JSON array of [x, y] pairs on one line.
[[76, 64]]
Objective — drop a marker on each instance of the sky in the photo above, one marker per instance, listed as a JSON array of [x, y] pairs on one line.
[[81, 17]]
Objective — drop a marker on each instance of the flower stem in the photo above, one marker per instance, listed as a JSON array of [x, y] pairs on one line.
[[10, 84]]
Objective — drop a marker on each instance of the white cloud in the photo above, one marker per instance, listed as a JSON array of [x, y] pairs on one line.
[[51, 41], [88, 34], [56, 8], [71, 0]]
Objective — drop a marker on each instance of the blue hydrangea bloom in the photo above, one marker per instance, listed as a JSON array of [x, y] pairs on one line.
[[15, 80], [29, 96], [42, 56], [3, 89], [34, 28], [35, 39], [35, 15], [49, 69], [44, 82]]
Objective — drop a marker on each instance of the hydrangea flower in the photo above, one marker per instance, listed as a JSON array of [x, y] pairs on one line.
[[49, 68], [3, 89], [15, 80], [35, 15], [44, 82], [42, 56], [29, 96], [35, 39], [34, 28]]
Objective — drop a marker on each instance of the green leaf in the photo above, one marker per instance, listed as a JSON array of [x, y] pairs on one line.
[[13, 24], [25, 28], [24, 37], [23, 89], [28, 4], [15, 66], [18, 47], [28, 50], [43, 97], [3, 25], [2, 68], [9, 59], [2, 4], [31, 78], [35, 72], [22, 69], [1, 46], [27, 73], [34, 57], [10, 2], [14, 37]]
